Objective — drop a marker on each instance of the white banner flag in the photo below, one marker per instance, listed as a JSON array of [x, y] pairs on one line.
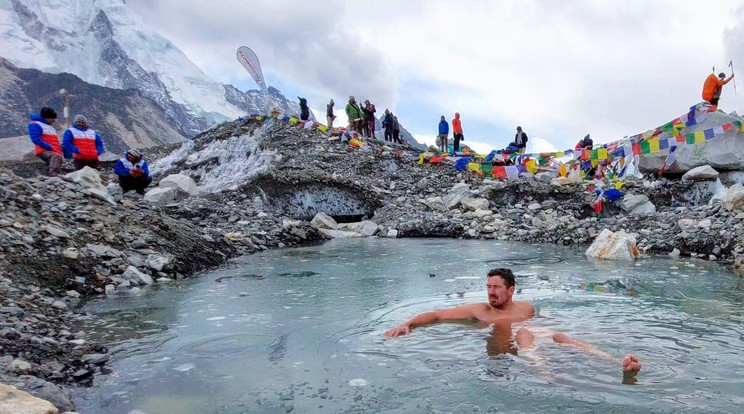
[[249, 60]]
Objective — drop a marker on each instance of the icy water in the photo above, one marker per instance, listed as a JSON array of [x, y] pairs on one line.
[[302, 331]]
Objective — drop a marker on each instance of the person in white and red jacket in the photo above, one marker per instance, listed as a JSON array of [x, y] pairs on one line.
[[82, 144], [45, 140]]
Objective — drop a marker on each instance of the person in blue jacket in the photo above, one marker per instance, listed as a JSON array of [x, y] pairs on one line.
[[133, 172], [82, 144], [443, 133]]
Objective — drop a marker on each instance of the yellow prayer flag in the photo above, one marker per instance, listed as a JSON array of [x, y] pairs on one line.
[[531, 166], [653, 145], [294, 121], [602, 154], [699, 137], [595, 163], [563, 170], [618, 185], [323, 128], [559, 154], [421, 158], [474, 166]]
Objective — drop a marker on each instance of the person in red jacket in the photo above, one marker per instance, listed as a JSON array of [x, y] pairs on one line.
[[457, 132], [46, 143], [82, 144]]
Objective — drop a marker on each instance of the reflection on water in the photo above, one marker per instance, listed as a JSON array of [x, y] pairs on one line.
[[301, 331]]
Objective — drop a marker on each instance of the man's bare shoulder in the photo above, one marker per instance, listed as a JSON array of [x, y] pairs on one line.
[[524, 308]]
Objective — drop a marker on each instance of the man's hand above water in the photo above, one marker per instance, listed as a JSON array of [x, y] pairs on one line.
[[404, 329]]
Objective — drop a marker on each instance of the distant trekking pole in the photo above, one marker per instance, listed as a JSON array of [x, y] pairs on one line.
[[731, 65]]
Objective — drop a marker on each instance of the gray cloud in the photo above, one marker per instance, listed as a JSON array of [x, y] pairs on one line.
[[296, 40]]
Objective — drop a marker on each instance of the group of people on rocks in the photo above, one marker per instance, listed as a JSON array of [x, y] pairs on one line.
[[443, 136], [83, 146], [362, 119]]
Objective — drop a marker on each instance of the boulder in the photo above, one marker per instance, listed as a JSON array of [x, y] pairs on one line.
[[613, 246], [474, 203], [324, 221], [686, 225], [101, 250], [56, 232], [645, 208], [14, 401], [164, 195], [87, 177], [159, 261], [101, 194], [631, 201], [364, 228], [136, 277], [703, 172], [339, 234], [392, 233], [456, 194], [734, 197], [180, 181]]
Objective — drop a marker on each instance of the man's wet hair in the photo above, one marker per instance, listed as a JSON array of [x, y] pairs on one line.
[[505, 274]]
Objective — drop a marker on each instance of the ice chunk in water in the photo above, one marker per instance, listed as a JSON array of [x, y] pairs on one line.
[[358, 382], [185, 367]]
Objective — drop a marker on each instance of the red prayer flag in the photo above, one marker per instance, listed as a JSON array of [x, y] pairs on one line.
[[499, 172]]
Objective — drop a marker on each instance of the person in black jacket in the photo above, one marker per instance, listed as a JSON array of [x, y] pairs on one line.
[[330, 117], [304, 110], [387, 123], [521, 140]]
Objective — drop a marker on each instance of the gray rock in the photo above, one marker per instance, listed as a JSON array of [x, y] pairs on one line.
[[181, 181], [703, 172], [164, 195], [136, 277], [56, 232], [456, 194], [631, 201], [324, 221], [474, 203], [86, 177]]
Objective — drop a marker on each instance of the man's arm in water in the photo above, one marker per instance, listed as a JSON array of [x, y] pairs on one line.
[[472, 310]]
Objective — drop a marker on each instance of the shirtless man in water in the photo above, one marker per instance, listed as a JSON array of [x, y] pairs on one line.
[[501, 309]]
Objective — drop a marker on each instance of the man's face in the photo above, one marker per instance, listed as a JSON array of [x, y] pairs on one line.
[[498, 294], [81, 124]]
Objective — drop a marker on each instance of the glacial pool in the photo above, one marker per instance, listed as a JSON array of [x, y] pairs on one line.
[[301, 331]]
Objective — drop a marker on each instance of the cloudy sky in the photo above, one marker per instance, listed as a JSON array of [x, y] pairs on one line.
[[558, 69]]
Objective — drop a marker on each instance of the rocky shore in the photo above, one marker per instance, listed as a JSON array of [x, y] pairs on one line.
[[263, 184]]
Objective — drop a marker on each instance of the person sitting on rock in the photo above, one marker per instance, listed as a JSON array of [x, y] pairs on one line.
[[46, 143], [133, 172], [82, 144]]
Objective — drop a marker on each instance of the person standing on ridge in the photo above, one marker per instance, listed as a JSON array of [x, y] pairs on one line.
[[387, 124], [82, 144], [133, 172], [304, 110], [457, 132], [369, 117], [521, 140], [46, 143], [713, 87], [396, 130], [443, 134], [330, 117], [355, 115]]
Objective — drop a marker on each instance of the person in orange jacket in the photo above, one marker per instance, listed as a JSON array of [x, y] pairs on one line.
[[45, 140], [713, 88], [457, 132]]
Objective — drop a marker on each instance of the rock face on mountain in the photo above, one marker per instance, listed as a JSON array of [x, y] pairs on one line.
[[105, 43], [123, 117]]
